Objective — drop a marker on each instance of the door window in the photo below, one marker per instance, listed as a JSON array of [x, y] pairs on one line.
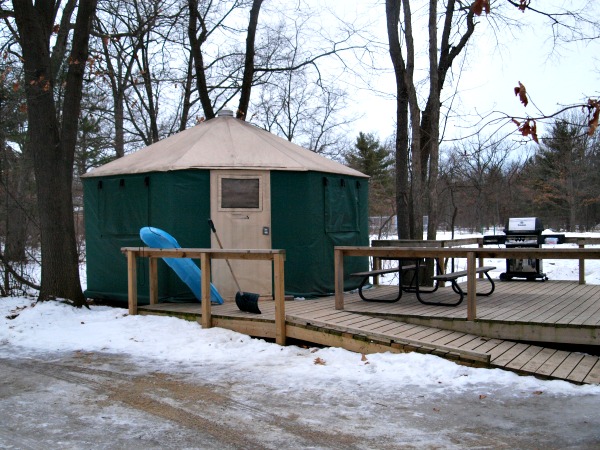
[[240, 193]]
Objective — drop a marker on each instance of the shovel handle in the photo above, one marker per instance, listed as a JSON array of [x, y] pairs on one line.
[[214, 230]]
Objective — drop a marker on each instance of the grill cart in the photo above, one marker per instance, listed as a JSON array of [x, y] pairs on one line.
[[524, 232]]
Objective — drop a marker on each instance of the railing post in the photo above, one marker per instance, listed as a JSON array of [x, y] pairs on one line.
[[279, 298], [338, 260], [471, 287], [132, 283], [205, 283], [581, 267], [153, 275]]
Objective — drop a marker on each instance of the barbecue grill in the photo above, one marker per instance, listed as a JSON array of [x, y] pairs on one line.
[[523, 232]]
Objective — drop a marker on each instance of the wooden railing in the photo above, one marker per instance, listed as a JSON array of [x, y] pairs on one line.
[[205, 256], [471, 254], [581, 242]]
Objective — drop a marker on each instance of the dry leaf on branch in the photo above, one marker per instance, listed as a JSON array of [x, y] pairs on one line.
[[522, 93], [479, 6], [523, 4], [319, 361], [593, 108], [528, 128]]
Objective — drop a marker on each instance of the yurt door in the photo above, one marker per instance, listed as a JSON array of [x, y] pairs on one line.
[[240, 204]]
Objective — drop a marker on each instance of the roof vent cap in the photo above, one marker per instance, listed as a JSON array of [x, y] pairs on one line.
[[225, 112]]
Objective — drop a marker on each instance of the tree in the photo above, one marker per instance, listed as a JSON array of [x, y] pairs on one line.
[[561, 178], [52, 133], [376, 161], [458, 26]]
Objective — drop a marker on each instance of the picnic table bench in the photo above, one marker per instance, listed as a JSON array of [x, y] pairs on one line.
[[414, 286]]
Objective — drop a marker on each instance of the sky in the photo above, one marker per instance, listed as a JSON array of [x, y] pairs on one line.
[[554, 76]]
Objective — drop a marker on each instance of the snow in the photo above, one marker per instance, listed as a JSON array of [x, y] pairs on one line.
[[164, 343], [314, 378]]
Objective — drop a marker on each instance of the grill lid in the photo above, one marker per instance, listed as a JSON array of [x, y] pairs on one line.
[[523, 225]]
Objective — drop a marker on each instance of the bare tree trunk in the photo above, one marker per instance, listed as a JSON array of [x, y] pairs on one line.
[[196, 50], [392, 8], [432, 136], [53, 146], [249, 62]]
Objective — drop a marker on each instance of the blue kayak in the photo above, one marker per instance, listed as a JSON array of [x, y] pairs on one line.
[[183, 267]]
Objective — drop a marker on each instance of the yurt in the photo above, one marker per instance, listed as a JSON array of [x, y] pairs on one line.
[[261, 192]]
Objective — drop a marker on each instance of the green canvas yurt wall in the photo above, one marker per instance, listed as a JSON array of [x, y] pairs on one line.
[[316, 204], [117, 207], [311, 213]]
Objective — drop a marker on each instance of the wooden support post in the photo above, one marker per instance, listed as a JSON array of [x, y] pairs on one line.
[[206, 321], [278, 277], [132, 283], [153, 274], [338, 260], [471, 287], [481, 275]]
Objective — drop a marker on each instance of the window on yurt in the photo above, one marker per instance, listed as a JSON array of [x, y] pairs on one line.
[[240, 193], [341, 205]]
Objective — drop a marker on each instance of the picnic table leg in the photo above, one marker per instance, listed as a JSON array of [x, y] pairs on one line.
[[376, 266], [338, 259], [471, 287], [582, 267]]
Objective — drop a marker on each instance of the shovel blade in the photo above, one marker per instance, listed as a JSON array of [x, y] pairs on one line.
[[247, 302]]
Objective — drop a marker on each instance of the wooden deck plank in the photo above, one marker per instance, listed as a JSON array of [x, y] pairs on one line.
[[435, 337], [488, 345], [588, 303], [360, 321], [547, 308], [593, 377], [475, 344], [509, 354], [422, 335], [552, 363], [538, 360], [572, 306], [582, 369], [454, 335], [463, 340], [567, 366], [524, 357], [537, 299]]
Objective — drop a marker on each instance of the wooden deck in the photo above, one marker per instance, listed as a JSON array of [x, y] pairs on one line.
[[517, 314], [562, 312]]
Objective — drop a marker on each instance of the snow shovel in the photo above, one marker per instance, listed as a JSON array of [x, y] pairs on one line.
[[245, 301]]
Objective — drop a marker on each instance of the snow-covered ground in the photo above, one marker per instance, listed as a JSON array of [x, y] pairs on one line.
[[330, 378]]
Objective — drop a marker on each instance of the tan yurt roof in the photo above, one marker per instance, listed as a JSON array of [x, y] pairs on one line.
[[222, 143]]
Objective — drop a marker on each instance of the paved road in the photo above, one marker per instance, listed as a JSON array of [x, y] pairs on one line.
[[99, 401]]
